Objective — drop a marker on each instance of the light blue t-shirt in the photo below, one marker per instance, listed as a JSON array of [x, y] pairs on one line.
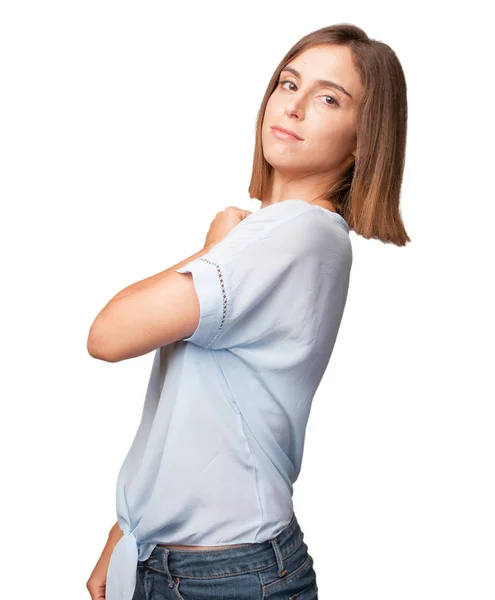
[[221, 438]]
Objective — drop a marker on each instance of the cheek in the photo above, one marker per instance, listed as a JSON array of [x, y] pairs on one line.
[[334, 136], [272, 116], [269, 110]]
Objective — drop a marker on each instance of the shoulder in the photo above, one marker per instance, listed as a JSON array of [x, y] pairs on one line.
[[292, 225]]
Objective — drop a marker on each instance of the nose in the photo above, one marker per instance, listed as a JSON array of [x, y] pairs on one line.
[[295, 107]]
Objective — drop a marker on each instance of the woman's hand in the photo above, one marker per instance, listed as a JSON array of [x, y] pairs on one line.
[[224, 222], [97, 581]]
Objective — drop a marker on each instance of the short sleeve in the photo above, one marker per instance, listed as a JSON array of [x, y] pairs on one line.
[[268, 279]]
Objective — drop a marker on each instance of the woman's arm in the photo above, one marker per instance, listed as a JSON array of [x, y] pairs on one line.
[[139, 285], [96, 583], [158, 310], [116, 532], [146, 315]]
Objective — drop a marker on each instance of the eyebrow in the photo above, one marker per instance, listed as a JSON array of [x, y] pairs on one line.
[[324, 82]]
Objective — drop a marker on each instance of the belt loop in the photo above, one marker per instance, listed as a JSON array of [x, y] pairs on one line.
[[278, 554], [167, 570]]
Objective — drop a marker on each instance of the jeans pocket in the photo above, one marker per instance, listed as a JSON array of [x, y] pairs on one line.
[[292, 565], [298, 583], [242, 586], [310, 592]]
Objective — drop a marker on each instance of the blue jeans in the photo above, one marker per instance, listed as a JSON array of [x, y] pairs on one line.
[[277, 569]]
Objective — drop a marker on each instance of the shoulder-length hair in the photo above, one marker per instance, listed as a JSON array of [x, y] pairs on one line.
[[366, 194]]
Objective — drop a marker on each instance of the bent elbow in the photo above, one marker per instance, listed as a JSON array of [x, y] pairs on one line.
[[98, 346]]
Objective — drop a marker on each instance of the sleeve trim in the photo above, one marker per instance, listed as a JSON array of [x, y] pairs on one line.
[[213, 309], [224, 296]]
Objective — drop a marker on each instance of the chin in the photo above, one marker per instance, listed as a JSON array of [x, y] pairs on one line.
[[279, 155], [284, 152], [286, 167]]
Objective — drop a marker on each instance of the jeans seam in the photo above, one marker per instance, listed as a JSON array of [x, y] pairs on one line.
[[279, 582], [262, 586]]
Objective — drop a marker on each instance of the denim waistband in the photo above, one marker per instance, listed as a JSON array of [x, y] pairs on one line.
[[228, 561]]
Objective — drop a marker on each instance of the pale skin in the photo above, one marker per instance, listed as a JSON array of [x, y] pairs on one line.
[[323, 115], [164, 308]]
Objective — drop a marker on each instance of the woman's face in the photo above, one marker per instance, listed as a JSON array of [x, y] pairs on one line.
[[323, 115]]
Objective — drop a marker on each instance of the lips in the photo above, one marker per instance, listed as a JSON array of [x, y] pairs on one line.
[[287, 131]]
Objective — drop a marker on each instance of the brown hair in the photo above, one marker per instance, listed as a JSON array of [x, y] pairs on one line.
[[367, 193]]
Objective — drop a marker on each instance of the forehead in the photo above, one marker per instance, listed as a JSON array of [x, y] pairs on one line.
[[332, 62]]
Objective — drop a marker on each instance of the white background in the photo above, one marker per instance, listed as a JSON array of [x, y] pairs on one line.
[[125, 127]]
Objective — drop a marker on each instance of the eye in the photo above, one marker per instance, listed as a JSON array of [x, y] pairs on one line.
[[333, 103], [281, 83]]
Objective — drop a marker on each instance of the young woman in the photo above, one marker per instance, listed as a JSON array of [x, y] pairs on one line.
[[243, 331]]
